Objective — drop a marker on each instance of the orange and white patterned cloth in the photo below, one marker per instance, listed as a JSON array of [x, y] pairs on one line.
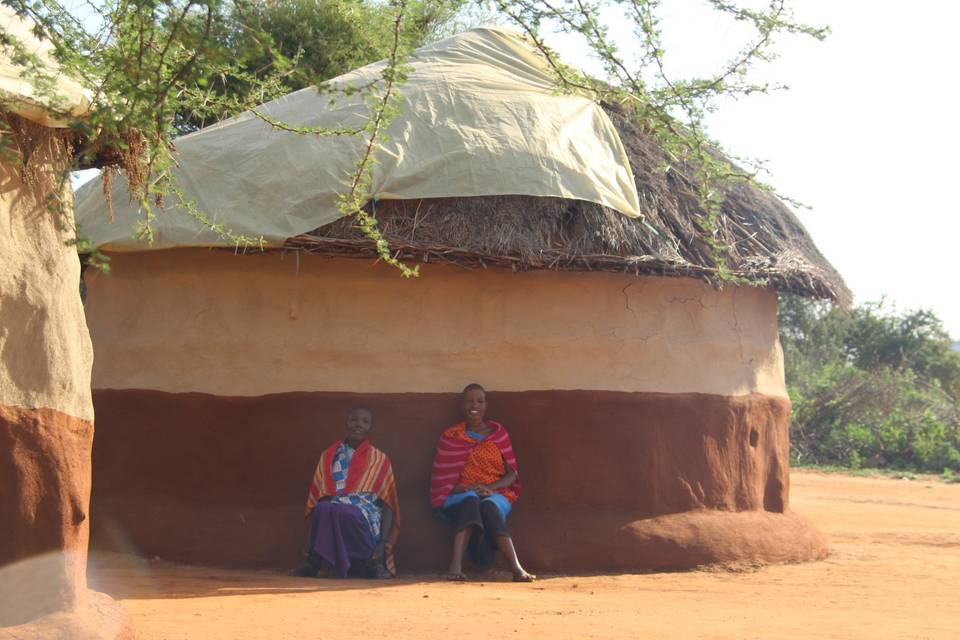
[[461, 459], [484, 465]]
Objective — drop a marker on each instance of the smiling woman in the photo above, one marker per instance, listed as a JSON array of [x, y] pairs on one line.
[[473, 485]]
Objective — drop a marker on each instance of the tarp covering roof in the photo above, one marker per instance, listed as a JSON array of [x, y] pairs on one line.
[[37, 91], [758, 240], [480, 116]]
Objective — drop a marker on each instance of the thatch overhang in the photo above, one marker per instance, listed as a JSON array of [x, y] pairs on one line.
[[763, 241]]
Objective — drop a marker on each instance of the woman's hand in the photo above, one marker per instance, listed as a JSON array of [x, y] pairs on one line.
[[482, 490]]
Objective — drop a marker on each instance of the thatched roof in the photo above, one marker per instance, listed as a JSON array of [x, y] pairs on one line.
[[764, 240]]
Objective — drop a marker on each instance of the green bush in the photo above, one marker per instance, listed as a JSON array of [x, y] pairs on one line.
[[871, 388]]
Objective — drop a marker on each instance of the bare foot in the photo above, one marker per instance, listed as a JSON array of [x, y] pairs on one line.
[[459, 576], [523, 576], [379, 572]]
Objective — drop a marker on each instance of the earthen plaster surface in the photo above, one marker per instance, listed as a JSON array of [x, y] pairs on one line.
[[225, 324], [619, 480], [45, 350]]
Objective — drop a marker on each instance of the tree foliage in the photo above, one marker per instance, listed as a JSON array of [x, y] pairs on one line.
[[871, 387], [261, 51]]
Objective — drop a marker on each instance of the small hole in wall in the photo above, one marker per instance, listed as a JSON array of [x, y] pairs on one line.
[[754, 436]]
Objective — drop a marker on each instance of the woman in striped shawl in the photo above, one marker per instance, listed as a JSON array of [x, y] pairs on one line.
[[353, 507], [474, 483]]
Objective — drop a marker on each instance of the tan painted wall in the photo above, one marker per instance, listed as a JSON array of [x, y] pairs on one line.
[[214, 322], [45, 351]]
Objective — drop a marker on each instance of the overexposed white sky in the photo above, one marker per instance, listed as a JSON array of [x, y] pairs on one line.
[[866, 135]]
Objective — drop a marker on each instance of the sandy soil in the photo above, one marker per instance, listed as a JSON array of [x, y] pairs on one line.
[[893, 572]]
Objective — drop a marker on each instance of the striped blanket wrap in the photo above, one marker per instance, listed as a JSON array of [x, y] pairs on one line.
[[370, 471], [453, 452]]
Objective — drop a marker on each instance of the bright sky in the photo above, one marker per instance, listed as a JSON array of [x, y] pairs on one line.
[[866, 136]]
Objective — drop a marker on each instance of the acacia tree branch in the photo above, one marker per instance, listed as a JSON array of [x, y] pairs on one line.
[[354, 200]]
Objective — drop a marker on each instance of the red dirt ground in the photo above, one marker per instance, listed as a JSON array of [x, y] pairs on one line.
[[893, 572]]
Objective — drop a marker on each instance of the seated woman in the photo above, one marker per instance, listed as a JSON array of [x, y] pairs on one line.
[[474, 483], [353, 507]]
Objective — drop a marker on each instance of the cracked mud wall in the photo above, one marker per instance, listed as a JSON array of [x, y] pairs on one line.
[[649, 415], [213, 322]]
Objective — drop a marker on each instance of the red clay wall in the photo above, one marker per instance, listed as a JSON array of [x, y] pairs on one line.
[[610, 478]]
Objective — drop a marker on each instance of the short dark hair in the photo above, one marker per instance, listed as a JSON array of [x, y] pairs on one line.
[[471, 386], [361, 407]]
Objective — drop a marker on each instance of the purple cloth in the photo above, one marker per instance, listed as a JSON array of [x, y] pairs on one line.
[[339, 534]]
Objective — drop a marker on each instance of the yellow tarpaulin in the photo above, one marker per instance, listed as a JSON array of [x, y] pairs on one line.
[[479, 116]]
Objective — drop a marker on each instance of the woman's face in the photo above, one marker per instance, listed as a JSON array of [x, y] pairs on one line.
[[474, 405], [359, 423]]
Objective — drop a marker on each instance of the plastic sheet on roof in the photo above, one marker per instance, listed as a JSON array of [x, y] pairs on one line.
[[479, 116]]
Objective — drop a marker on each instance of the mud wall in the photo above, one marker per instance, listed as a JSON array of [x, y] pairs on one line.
[[46, 411], [220, 480], [219, 323], [649, 415]]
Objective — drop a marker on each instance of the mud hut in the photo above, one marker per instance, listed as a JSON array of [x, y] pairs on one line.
[[46, 409], [561, 267]]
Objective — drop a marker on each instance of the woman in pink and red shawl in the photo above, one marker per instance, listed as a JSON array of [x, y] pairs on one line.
[[474, 483], [353, 507]]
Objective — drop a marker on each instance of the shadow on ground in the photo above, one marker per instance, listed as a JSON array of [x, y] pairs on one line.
[[128, 577]]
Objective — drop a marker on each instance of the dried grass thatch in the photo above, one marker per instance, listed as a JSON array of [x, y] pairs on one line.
[[38, 153], [765, 241]]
